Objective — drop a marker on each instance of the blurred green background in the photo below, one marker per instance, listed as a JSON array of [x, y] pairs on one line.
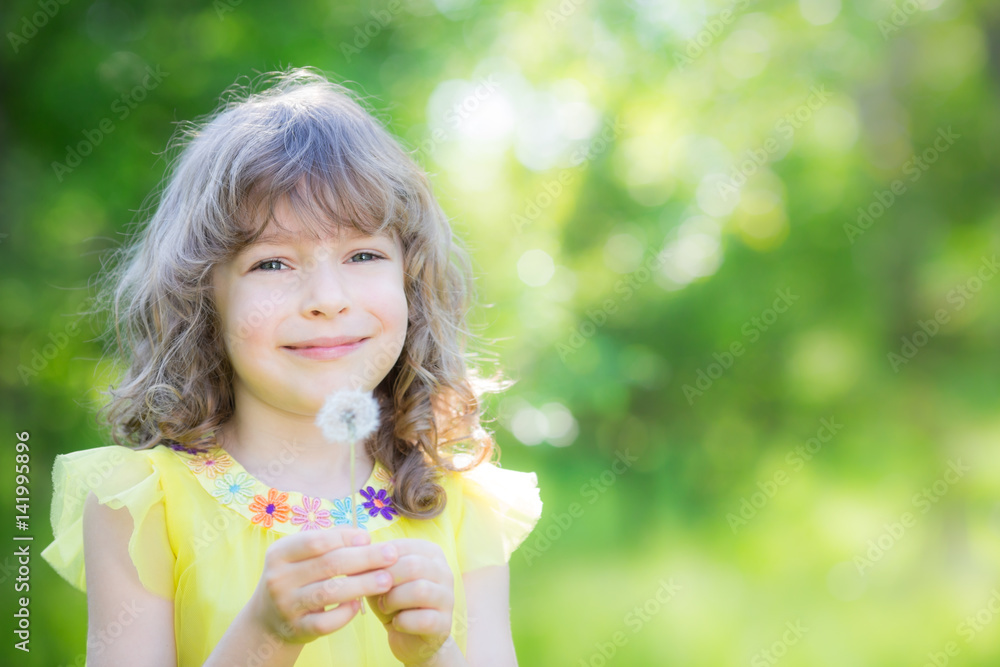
[[740, 257]]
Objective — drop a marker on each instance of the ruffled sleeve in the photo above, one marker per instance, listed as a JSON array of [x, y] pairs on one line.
[[119, 477], [499, 508]]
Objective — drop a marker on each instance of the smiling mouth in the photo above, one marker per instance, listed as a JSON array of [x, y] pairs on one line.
[[324, 352], [326, 342], [322, 347]]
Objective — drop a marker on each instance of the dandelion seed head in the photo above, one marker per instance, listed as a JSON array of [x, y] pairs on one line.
[[348, 415]]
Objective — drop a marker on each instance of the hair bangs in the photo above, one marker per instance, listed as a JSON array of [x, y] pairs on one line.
[[315, 165]]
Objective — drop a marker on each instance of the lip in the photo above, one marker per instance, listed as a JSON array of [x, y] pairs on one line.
[[327, 341], [326, 348]]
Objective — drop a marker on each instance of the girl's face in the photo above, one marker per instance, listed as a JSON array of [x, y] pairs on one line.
[[285, 300]]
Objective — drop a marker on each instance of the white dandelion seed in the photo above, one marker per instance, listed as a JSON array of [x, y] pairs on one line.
[[348, 415]]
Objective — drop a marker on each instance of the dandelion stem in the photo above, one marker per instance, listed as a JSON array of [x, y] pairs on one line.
[[354, 510]]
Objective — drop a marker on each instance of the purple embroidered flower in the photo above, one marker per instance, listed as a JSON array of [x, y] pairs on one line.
[[378, 503], [177, 447], [309, 515]]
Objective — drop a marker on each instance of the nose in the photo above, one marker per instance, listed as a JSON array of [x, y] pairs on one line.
[[324, 288]]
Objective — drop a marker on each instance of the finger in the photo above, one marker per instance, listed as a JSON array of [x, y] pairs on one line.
[[417, 547], [422, 622], [350, 560], [316, 596], [373, 604], [420, 594], [325, 622], [312, 543], [412, 567]]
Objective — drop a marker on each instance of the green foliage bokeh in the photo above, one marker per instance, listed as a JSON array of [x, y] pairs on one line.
[[790, 385]]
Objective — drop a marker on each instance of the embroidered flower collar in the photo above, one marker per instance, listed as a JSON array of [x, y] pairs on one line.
[[225, 479]]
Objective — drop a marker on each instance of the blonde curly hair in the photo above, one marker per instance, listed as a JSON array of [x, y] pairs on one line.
[[315, 145]]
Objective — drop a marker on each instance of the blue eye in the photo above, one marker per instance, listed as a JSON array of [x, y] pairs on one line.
[[263, 266], [259, 266]]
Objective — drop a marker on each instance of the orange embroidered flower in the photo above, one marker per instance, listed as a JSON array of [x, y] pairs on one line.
[[210, 465], [274, 508]]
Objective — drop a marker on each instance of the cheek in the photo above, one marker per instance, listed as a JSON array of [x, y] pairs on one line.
[[402, 307], [250, 318], [393, 314], [400, 314], [386, 298]]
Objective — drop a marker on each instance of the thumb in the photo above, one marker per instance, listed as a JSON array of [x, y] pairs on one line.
[[373, 606]]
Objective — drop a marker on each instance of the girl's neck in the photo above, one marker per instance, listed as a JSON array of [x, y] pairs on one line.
[[318, 469]]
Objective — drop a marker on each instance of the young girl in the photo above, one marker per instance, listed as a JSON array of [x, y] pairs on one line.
[[296, 251]]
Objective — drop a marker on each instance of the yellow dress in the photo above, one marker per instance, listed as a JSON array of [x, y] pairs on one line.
[[212, 521]]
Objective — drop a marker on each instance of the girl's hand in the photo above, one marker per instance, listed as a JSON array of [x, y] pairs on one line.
[[417, 611], [297, 581]]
